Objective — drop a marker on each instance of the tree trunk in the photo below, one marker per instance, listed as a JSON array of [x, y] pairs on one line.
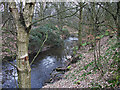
[[24, 76], [94, 33], [23, 21], [80, 27]]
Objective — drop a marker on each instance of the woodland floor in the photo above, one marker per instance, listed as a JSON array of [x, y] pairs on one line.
[[83, 73]]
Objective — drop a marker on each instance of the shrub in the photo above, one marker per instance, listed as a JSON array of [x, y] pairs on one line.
[[37, 36]]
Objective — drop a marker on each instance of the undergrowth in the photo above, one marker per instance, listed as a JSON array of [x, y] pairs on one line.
[[107, 63]]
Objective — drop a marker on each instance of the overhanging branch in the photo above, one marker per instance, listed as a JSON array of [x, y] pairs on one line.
[[71, 14], [39, 49], [75, 12]]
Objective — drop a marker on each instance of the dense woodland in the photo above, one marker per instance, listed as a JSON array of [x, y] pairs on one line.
[[36, 27]]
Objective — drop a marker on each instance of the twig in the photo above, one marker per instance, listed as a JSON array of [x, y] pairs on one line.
[[39, 49], [114, 16], [75, 12], [9, 31], [14, 73], [6, 21], [17, 68], [71, 14], [12, 64], [51, 15]]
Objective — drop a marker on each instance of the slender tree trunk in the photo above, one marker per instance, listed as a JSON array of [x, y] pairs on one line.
[[60, 7], [23, 19], [80, 27], [41, 15], [94, 34]]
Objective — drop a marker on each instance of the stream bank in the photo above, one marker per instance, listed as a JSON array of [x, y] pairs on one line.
[[42, 67], [83, 74]]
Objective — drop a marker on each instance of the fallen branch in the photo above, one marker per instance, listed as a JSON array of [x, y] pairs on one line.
[[62, 69]]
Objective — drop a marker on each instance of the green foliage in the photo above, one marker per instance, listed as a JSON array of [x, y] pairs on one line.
[[97, 87], [69, 67], [100, 36], [51, 26], [111, 53], [7, 50], [91, 63], [76, 47], [78, 81], [75, 50], [65, 32], [80, 56], [84, 44], [37, 36], [106, 33]]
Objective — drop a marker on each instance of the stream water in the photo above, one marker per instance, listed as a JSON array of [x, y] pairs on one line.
[[42, 67]]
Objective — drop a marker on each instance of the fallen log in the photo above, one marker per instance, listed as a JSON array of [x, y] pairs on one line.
[[62, 69], [71, 60]]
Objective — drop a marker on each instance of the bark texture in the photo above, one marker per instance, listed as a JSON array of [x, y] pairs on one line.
[[23, 20]]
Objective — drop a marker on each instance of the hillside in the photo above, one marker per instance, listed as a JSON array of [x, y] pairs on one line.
[[84, 73]]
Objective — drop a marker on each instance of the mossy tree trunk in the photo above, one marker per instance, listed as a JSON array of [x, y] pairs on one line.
[[23, 19]]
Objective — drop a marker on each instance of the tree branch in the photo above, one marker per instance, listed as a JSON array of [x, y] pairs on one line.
[[12, 64], [17, 68], [75, 12], [70, 15], [51, 16], [114, 16], [39, 49], [6, 22]]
